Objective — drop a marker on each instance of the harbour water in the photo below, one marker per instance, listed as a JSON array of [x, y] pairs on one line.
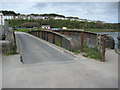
[[114, 35]]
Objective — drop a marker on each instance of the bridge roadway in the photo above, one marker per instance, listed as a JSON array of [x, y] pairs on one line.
[[34, 51], [64, 71]]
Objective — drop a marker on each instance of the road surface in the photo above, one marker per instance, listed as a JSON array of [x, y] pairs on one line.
[[34, 51], [73, 72]]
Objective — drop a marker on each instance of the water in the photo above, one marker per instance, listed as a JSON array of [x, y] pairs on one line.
[[114, 35]]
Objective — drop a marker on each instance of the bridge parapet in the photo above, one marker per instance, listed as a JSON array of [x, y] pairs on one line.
[[57, 38], [90, 38], [74, 40]]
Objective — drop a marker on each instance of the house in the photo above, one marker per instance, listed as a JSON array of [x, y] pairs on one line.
[[22, 17], [1, 19], [66, 18], [45, 27], [40, 17], [29, 17], [9, 16], [3, 26], [62, 18]]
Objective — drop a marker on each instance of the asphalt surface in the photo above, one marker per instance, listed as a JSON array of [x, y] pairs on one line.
[[33, 51], [56, 69]]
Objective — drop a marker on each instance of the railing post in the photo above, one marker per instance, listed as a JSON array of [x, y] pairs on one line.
[[53, 39], [118, 44], [81, 40], [14, 38], [101, 46]]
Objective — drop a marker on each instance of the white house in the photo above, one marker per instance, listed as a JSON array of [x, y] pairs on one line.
[[45, 26], [40, 17], [1, 19], [62, 18], [9, 16], [31, 17], [3, 26], [66, 18], [21, 17]]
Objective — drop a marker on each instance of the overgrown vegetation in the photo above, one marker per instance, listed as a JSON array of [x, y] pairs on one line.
[[101, 30], [26, 30], [91, 52], [12, 52], [58, 43], [23, 30], [87, 26], [76, 51]]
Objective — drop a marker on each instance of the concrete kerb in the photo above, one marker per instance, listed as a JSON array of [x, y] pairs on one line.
[[54, 46]]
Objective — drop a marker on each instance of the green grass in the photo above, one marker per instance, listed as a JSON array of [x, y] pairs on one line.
[[12, 52], [92, 53], [76, 51], [23, 30], [102, 30], [27, 30], [58, 43]]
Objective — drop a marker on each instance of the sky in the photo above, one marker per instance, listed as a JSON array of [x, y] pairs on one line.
[[104, 11]]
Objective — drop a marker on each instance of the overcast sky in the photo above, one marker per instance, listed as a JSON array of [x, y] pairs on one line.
[[104, 11]]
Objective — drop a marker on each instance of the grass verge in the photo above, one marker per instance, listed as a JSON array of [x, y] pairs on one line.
[[12, 52]]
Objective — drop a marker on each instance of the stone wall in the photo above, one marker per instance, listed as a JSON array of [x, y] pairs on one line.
[[9, 43]]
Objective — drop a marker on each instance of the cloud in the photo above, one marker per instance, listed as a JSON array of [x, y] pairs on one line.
[[105, 11], [19, 7]]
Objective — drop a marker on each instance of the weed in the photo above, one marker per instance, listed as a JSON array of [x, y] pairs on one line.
[[58, 43], [76, 51], [12, 52], [92, 53]]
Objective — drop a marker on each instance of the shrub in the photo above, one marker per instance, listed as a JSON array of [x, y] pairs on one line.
[[12, 52]]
